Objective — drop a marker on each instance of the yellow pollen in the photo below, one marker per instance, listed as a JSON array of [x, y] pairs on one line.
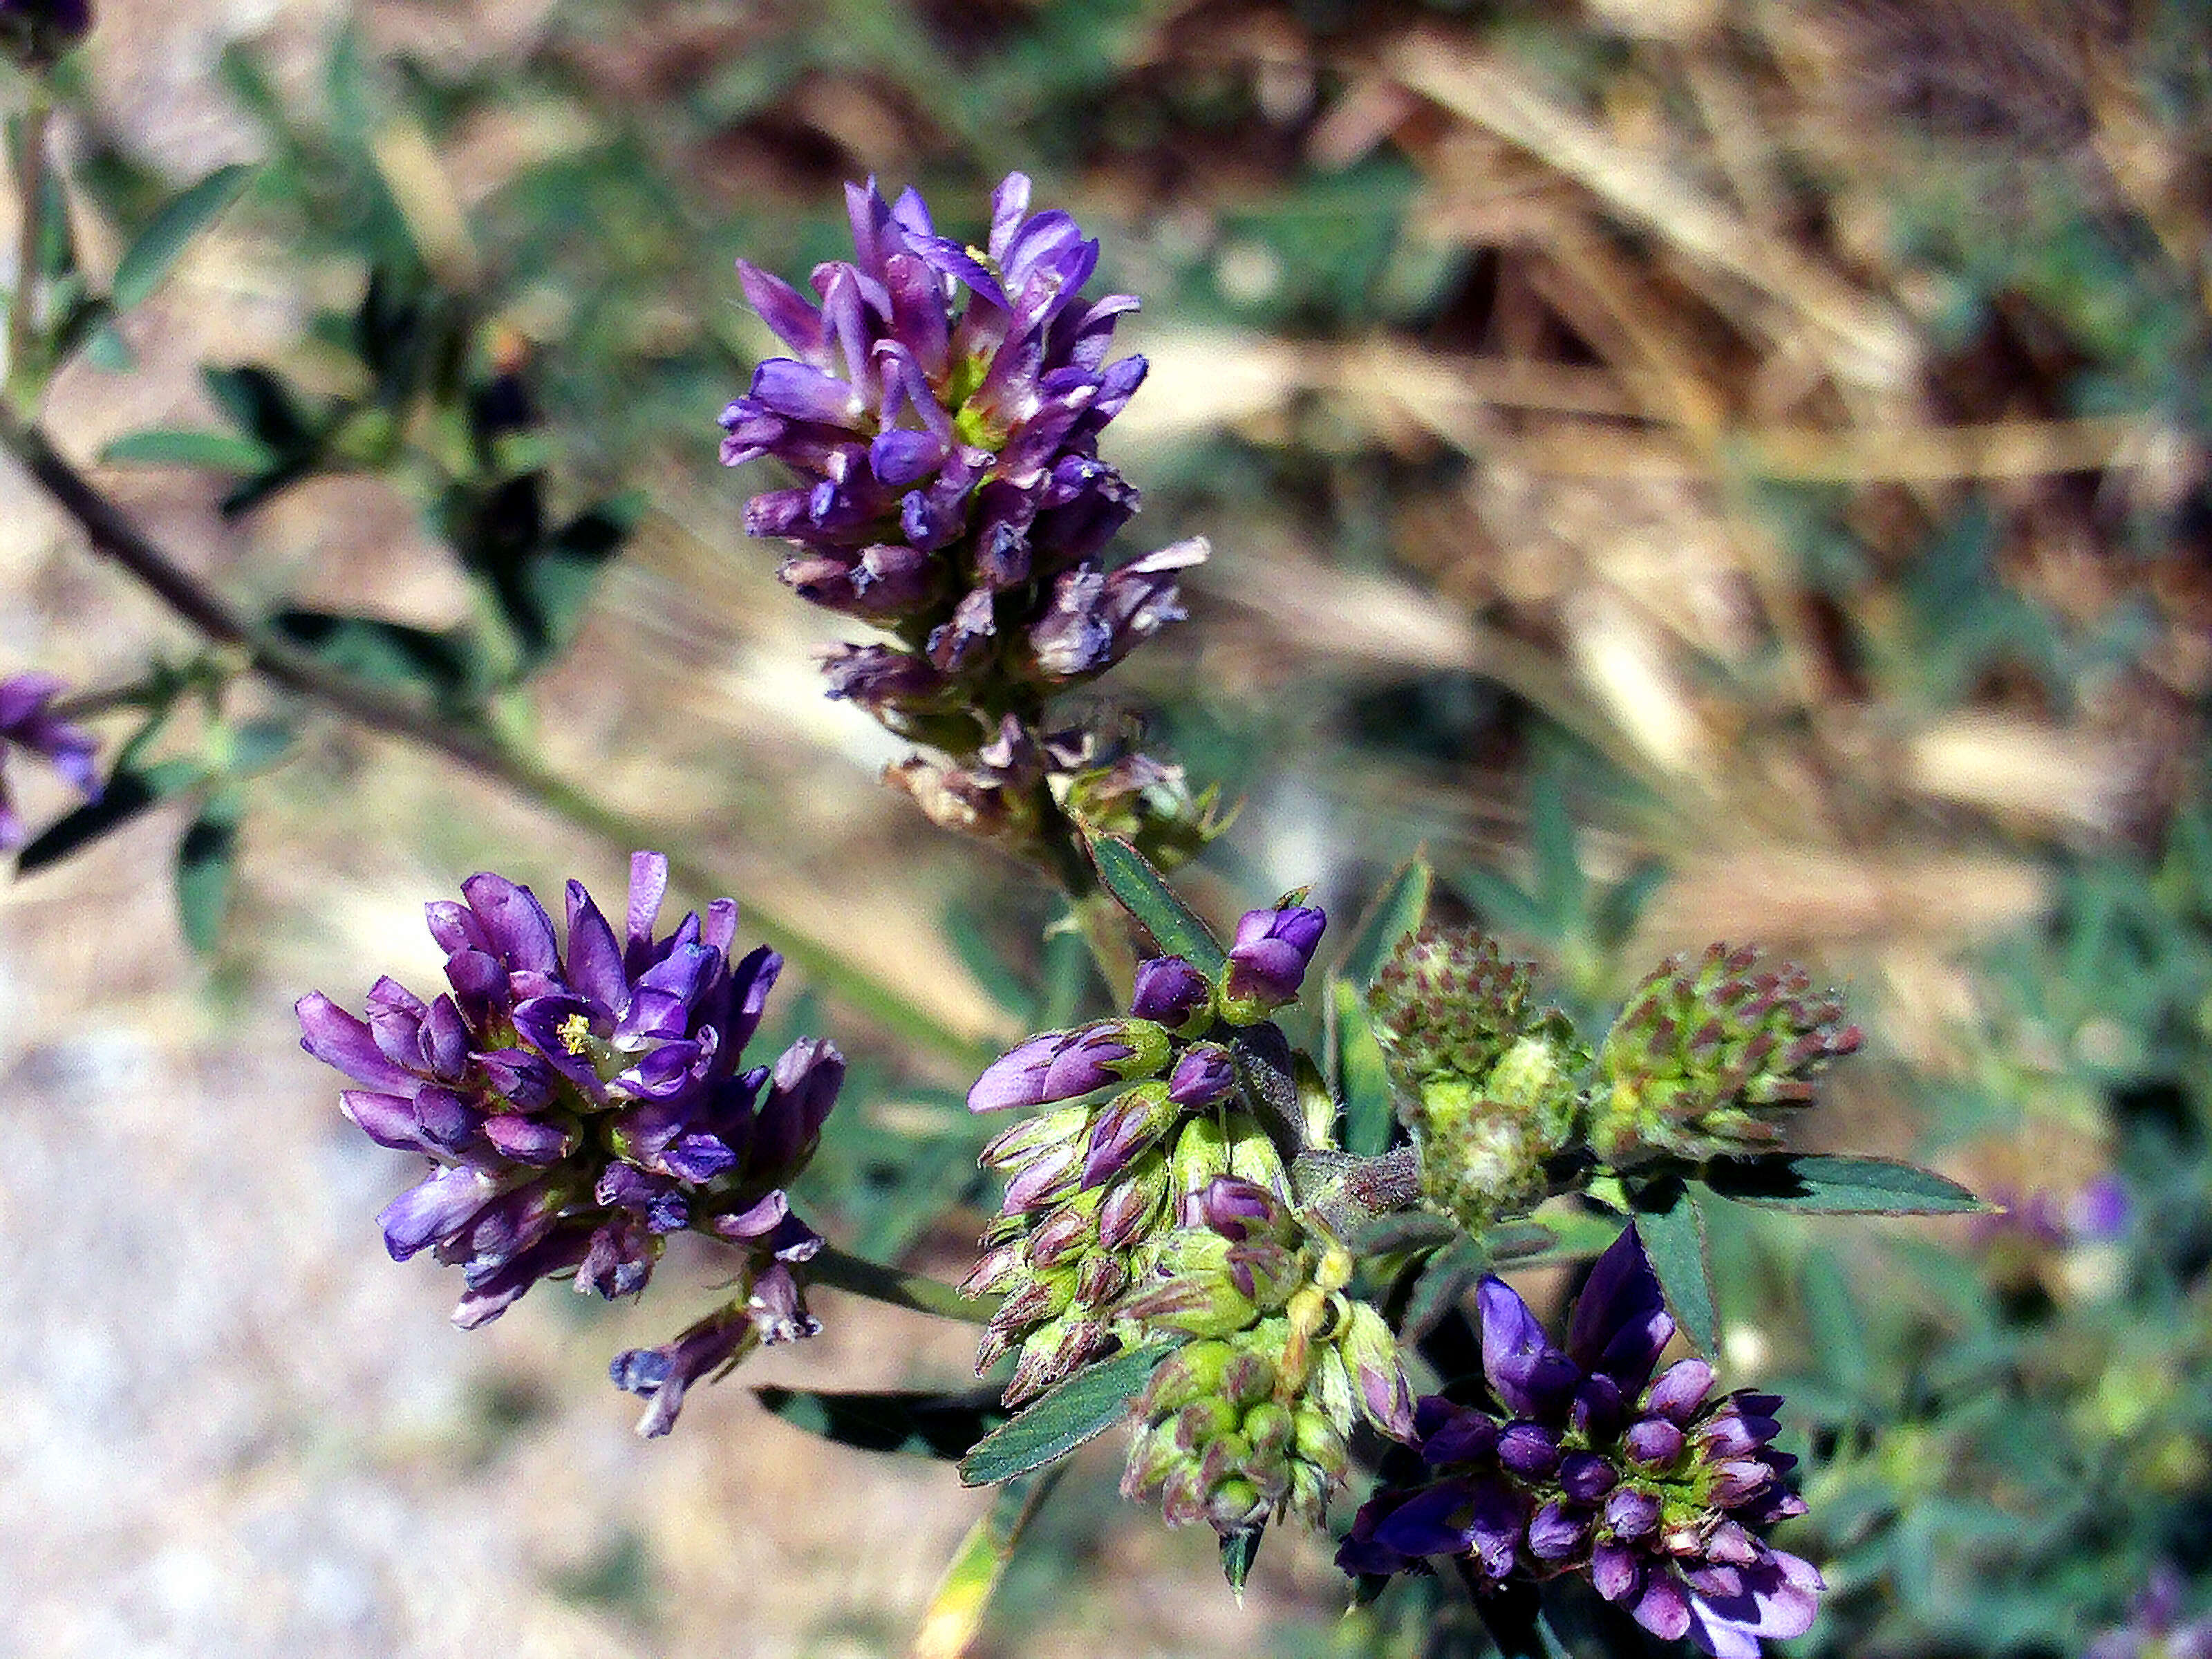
[[576, 1034]]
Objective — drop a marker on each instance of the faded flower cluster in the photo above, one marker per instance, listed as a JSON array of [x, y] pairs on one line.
[[578, 1105]]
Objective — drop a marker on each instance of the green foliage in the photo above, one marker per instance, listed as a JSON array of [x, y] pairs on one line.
[[1078, 1410]]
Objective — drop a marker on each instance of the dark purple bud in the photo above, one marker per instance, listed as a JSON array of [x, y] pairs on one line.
[[1530, 1451], [1529, 1375], [1453, 1434], [1554, 1533], [661, 1374], [1171, 993], [1586, 1477], [1621, 1322], [1267, 962], [1654, 1443], [1631, 1513], [1135, 1121], [1681, 1389], [1202, 1076]]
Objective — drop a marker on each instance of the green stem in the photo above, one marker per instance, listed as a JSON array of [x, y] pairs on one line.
[[841, 1271], [31, 185], [115, 534]]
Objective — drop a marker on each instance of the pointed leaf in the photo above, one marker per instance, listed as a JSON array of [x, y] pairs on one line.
[[149, 259], [1084, 1406], [1442, 1282], [207, 862], [128, 793], [221, 452], [918, 1422], [261, 404], [1396, 911], [1674, 1236], [1362, 1079], [1144, 894], [1818, 1184], [1239, 1551], [972, 1577]]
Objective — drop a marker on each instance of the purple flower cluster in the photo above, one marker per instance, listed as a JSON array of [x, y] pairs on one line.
[[942, 409], [578, 1106], [27, 723], [1651, 1488]]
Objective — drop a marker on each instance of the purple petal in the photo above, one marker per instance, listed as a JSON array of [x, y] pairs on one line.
[[1529, 1375], [516, 928], [336, 1038]]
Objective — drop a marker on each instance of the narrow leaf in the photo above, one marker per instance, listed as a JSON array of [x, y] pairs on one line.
[[1442, 1282], [1396, 911], [1082, 1407], [149, 259], [1142, 891], [1363, 1079], [1239, 1551], [919, 1422], [222, 451], [128, 793], [1818, 1184], [964, 1595], [1674, 1236], [394, 652], [207, 862]]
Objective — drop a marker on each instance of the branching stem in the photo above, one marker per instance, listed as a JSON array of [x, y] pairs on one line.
[[115, 535]]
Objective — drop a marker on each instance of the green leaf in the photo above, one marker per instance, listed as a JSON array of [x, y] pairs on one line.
[[393, 652], [918, 1422], [1561, 887], [128, 793], [221, 452], [1443, 1280], [1817, 1184], [149, 259], [1363, 1079], [972, 1577], [1396, 911], [1144, 894], [1674, 1236], [261, 404], [1082, 1407], [1239, 1551], [207, 864]]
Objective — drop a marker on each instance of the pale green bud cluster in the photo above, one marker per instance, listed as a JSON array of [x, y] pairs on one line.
[[1489, 1083], [1705, 1058], [1251, 1419]]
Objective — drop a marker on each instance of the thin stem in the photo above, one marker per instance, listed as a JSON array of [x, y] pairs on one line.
[[31, 183], [113, 534], [842, 1271]]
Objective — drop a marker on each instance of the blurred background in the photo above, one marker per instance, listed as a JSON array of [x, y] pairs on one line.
[[1705, 468]]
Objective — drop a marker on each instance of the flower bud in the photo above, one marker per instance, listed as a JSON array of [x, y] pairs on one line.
[[1268, 960], [1704, 1060], [1171, 992], [1066, 1065]]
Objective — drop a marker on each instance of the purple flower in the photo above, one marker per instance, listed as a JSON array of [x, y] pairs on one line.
[[36, 31], [1066, 1065], [2155, 1629], [580, 1101], [1647, 1486], [27, 723], [1268, 960]]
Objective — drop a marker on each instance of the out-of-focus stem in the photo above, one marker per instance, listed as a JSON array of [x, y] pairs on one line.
[[31, 186], [113, 534], [842, 1272]]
